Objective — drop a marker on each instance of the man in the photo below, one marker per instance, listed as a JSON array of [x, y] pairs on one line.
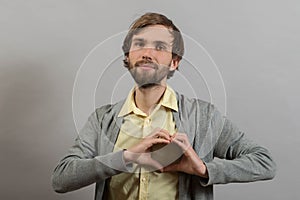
[[158, 144]]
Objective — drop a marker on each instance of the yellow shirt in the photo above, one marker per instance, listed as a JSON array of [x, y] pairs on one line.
[[144, 183]]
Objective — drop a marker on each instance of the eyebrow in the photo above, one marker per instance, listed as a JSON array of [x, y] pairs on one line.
[[139, 39], [155, 42], [161, 42]]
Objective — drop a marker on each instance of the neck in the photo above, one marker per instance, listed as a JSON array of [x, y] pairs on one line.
[[147, 98]]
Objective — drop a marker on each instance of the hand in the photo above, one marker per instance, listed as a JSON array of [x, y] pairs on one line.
[[190, 162], [140, 153]]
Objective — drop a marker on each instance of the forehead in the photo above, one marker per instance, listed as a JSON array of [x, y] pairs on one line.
[[155, 33]]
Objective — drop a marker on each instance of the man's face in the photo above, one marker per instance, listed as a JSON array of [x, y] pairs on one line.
[[150, 56]]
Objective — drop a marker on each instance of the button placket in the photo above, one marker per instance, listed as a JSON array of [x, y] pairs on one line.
[[143, 184], [147, 121]]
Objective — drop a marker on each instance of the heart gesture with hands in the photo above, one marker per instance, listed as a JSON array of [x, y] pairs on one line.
[[141, 152], [190, 162]]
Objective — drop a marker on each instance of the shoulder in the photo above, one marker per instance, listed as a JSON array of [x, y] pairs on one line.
[[195, 105], [108, 110]]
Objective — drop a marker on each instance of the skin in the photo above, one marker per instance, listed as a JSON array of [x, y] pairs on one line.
[[154, 44], [150, 60]]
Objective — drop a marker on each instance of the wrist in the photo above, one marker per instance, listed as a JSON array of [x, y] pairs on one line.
[[203, 171], [126, 156]]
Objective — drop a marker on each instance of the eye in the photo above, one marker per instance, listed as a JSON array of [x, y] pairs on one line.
[[139, 44], [160, 47]]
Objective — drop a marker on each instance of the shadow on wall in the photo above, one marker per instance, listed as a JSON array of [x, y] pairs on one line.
[[33, 129]]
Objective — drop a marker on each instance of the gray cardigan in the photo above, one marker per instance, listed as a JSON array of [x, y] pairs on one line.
[[229, 156]]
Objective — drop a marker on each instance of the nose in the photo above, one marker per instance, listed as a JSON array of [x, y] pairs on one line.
[[146, 58], [147, 53]]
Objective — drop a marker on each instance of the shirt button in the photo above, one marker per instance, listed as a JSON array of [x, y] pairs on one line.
[[144, 179], [148, 121]]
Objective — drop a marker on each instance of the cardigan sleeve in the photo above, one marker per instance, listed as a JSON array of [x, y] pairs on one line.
[[83, 165], [236, 158]]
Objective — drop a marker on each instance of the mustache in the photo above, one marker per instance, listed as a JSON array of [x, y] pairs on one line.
[[146, 62]]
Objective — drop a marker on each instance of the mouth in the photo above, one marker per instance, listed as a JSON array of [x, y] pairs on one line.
[[147, 66]]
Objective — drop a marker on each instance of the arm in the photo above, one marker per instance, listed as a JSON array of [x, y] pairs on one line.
[[236, 158], [82, 165]]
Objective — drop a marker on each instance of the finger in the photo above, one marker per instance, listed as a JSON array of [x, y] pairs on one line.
[[162, 135], [182, 138], [184, 145], [170, 168], [180, 144], [152, 141], [176, 135], [154, 163], [161, 131], [159, 140]]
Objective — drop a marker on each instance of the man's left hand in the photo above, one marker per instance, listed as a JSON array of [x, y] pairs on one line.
[[190, 162]]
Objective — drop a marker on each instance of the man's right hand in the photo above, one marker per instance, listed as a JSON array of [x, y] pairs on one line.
[[140, 153]]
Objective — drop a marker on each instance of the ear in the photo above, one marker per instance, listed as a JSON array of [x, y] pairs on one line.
[[126, 62], [174, 64]]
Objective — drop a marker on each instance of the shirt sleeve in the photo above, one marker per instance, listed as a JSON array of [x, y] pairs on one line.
[[236, 158], [82, 165]]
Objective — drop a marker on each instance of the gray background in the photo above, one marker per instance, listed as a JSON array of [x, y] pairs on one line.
[[255, 45]]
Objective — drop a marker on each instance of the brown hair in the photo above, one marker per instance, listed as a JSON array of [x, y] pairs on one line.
[[149, 19]]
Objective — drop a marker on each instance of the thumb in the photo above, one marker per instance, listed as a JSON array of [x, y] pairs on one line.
[[171, 168], [154, 163]]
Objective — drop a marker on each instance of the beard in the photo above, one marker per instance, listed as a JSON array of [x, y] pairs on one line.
[[151, 77]]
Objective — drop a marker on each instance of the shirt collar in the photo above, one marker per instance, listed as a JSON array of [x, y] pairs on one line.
[[168, 100]]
